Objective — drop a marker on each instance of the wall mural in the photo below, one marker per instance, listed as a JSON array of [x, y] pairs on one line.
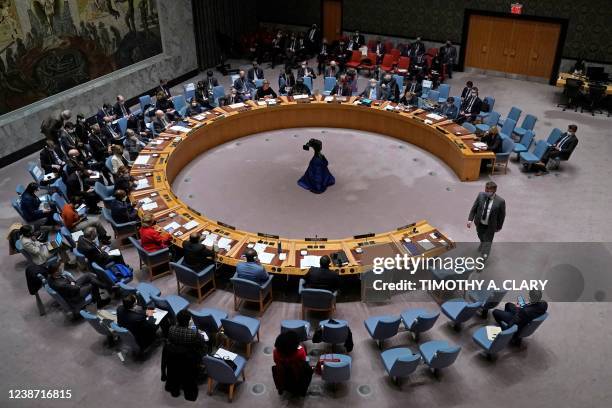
[[49, 46]]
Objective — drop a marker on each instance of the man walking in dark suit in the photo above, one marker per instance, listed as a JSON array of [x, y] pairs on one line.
[[488, 213], [322, 277]]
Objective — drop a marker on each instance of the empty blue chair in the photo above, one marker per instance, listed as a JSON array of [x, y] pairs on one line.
[[491, 102], [554, 136], [500, 342], [59, 201], [433, 96], [189, 90], [143, 292], [189, 278], [488, 298], [105, 193], [528, 124], [399, 80], [457, 102], [418, 321], [170, 303], [320, 300], [528, 159], [241, 329], [529, 328], [208, 319], [335, 372], [300, 327], [444, 90], [334, 332], [95, 322], [122, 124], [506, 130], [180, 104], [489, 121], [145, 100], [218, 370], [157, 262], [258, 83], [60, 187], [502, 158], [16, 203], [218, 92], [469, 127], [400, 362], [328, 85], [459, 311], [514, 114], [38, 174], [438, 354], [525, 143], [109, 164], [247, 290], [308, 82], [381, 328]]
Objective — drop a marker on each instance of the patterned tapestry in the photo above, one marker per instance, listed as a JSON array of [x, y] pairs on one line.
[[49, 46]]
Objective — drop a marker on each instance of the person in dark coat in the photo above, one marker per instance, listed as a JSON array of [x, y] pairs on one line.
[[317, 176]]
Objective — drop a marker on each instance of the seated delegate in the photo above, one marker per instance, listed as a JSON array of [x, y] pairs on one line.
[[522, 315], [322, 277], [195, 254], [251, 269], [140, 323], [74, 291]]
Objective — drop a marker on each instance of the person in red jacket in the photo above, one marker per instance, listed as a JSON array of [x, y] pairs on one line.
[[151, 239]]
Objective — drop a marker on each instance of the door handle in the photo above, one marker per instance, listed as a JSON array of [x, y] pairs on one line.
[[505, 51], [513, 53], [534, 56], [484, 49]]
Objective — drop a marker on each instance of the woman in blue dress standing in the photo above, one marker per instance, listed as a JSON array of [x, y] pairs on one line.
[[317, 177]]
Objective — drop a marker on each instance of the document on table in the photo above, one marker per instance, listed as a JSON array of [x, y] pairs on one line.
[[94, 175], [142, 183], [261, 103], [237, 105], [172, 226], [114, 252], [309, 260], [302, 96], [142, 159], [224, 354], [180, 128], [200, 117], [265, 257], [480, 145], [434, 116], [159, 314], [76, 235], [191, 224], [260, 247], [149, 206], [329, 99], [426, 244], [145, 200], [210, 239], [224, 243]]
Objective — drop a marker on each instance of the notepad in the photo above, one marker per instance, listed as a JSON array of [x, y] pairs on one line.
[[302, 96], [172, 226], [480, 145], [492, 332], [210, 239], [328, 99], [237, 105], [142, 159], [180, 128], [309, 261], [434, 116], [114, 252], [224, 354], [200, 117], [145, 200], [190, 225], [265, 257], [76, 235], [224, 243], [261, 103], [149, 206], [142, 183], [158, 315], [426, 244]]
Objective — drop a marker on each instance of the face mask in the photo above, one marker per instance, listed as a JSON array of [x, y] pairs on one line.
[[490, 194], [303, 66]]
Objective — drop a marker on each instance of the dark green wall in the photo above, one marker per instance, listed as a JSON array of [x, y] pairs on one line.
[[297, 12], [589, 32]]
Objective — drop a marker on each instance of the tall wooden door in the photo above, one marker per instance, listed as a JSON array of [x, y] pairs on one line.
[[500, 44], [477, 49], [543, 51], [519, 47], [332, 19]]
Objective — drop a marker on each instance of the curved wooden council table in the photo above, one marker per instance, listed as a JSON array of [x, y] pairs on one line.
[[162, 160]]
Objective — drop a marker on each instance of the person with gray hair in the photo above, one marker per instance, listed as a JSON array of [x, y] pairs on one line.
[[90, 248], [161, 122], [488, 213]]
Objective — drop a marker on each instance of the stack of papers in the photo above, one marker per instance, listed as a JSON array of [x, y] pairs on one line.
[[271, 101], [142, 183], [224, 354], [200, 117], [309, 260], [480, 145], [303, 96], [210, 239], [145, 200], [329, 99], [435, 116], [180, 128], [190, 225], [237, 105], [76, 235], [142, 159], [426, 244], [265, 257], [224, 243], [261, 103], [149, 206], [172, 226]]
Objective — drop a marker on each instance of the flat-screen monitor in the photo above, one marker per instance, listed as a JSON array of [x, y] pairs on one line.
[[596, 74]]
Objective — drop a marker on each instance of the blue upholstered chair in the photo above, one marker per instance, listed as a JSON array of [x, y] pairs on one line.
[[38, 174], [528, 124], [444, 90], [469, 127], [528, 329], [400, 362], [59, 186], [218, 93], [122, 230], [316, 299], [127, 342], [208, 319], [95, 322], [19, 189], [328, 85], [241, 329], [72, 310], [514, 114], [489, 299], [489, 121], [554, 136], [433, 96], [258, 83], [459, 311], [143, 292], [419, 321], [189, 278], [308, 82], [502, 158], [438, 354], [399, 80], [381, 328], [528, 159], [300, 327], [144, 101], [180, 104], [491, 101], [524, 144], [334, 333], [157, 262], [500, 342], [506, 130], [170, 303], [335, 372], [105, 280], [26, 255], [122, 124], [247, 290], [109, 163], [59, 201], [16, 204], [189, 91], [221, 372]]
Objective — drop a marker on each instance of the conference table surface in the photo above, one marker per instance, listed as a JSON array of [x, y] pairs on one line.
[[165, 156], [585, 86]]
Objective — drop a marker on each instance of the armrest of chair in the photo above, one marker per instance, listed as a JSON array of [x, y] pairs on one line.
[[158, 252], [266, 284], [205, 271], [502, 155], [301, 286], [127, 288], [126, 224]]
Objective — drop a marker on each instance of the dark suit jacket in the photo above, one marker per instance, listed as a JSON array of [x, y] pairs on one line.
[[475, 106], [158, 126], [30, 204], [448, 111], [448, 54], [230, 100], [368, 88], [524, 315], [382, 48], [118, 112], [251, 74], [73, 187], [92, 252], [418, 90], [497, 215], [197, 256], [70, 293], [47, 159], [301, 72], [345, 91], [165, 89], [318, 278], [99, 146], [123, 211], [568, 146], [494, 142], [142, 327], [465, 92], [391, 92]]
